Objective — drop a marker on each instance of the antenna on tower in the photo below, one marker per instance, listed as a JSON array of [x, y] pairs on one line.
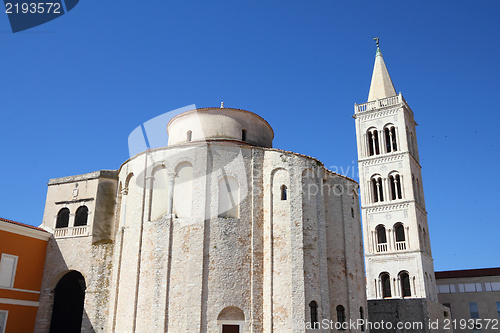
[[376, 39]]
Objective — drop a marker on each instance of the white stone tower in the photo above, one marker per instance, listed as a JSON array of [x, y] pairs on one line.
[[398, 258]]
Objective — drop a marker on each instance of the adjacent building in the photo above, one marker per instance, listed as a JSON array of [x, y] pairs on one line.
[[22, 250], [473, 296]]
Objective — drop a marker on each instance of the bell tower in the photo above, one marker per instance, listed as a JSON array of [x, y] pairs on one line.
[[398, 257]]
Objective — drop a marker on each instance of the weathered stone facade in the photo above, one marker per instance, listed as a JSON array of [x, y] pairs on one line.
[[86, 249], [215, 230]]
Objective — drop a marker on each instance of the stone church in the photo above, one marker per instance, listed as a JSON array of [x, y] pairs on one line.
[[220, 232], [217, 232]]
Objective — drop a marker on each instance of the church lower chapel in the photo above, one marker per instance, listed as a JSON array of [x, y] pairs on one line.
[[221, 232]]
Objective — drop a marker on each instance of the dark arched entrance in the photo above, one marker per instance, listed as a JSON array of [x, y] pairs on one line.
[[68, 304]]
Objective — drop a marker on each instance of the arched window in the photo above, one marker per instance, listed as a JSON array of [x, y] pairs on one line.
[[381, 235], [373, 142], [81, 216], [340, 314], [404, 278], [229, 198], [413, 145], [62, 218], [400, 232], [189, 136], [377, 189], [244, 135], [381, 239], [415, 189], [314, 314], [420, 236], [362, 317], [390, 138], [419, 192], [424, 240], [395, 181], [283, 192], [386, 285], [408, 140]]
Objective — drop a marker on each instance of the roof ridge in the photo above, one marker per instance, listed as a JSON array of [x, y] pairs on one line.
[[22, 224], [474, 272]]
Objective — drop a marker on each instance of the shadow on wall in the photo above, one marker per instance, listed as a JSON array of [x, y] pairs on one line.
[[62, 299]]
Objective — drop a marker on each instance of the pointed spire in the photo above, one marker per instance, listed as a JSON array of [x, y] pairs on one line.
[[381, 85]]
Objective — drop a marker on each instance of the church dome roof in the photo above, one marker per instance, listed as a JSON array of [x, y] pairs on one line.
[[208, 124]]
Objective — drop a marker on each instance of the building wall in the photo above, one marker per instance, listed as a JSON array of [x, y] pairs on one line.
[[416, 315], [459, 299], [89, 251], [20, 318], [21, 300], [93, 261], [270, 261], [172, 264]]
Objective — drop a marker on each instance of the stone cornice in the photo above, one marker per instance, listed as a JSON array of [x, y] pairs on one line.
[[110, 174], [379, 113], [380, 255], [388, 207], [73, 201], [380, 159], [374, 208]]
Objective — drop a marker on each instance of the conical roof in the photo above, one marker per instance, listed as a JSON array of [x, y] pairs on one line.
[[381, 85]]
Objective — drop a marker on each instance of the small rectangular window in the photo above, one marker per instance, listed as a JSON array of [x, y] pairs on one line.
[[452, 288], [8, 265], [474, 312], [498, 309], [495, 286], [470, 287], [487, 286], [479, 287], [461, 288], [444, 288], [3, 320]]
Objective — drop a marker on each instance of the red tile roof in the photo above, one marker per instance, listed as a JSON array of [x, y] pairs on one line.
[[22, 224], [468, 273]]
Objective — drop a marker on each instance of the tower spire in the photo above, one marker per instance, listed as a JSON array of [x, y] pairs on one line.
[[381, 85]]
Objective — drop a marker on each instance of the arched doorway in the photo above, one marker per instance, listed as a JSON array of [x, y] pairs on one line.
[[68, 304], [231, 320]]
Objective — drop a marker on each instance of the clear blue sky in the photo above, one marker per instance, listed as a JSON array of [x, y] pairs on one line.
[[74, 88]]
